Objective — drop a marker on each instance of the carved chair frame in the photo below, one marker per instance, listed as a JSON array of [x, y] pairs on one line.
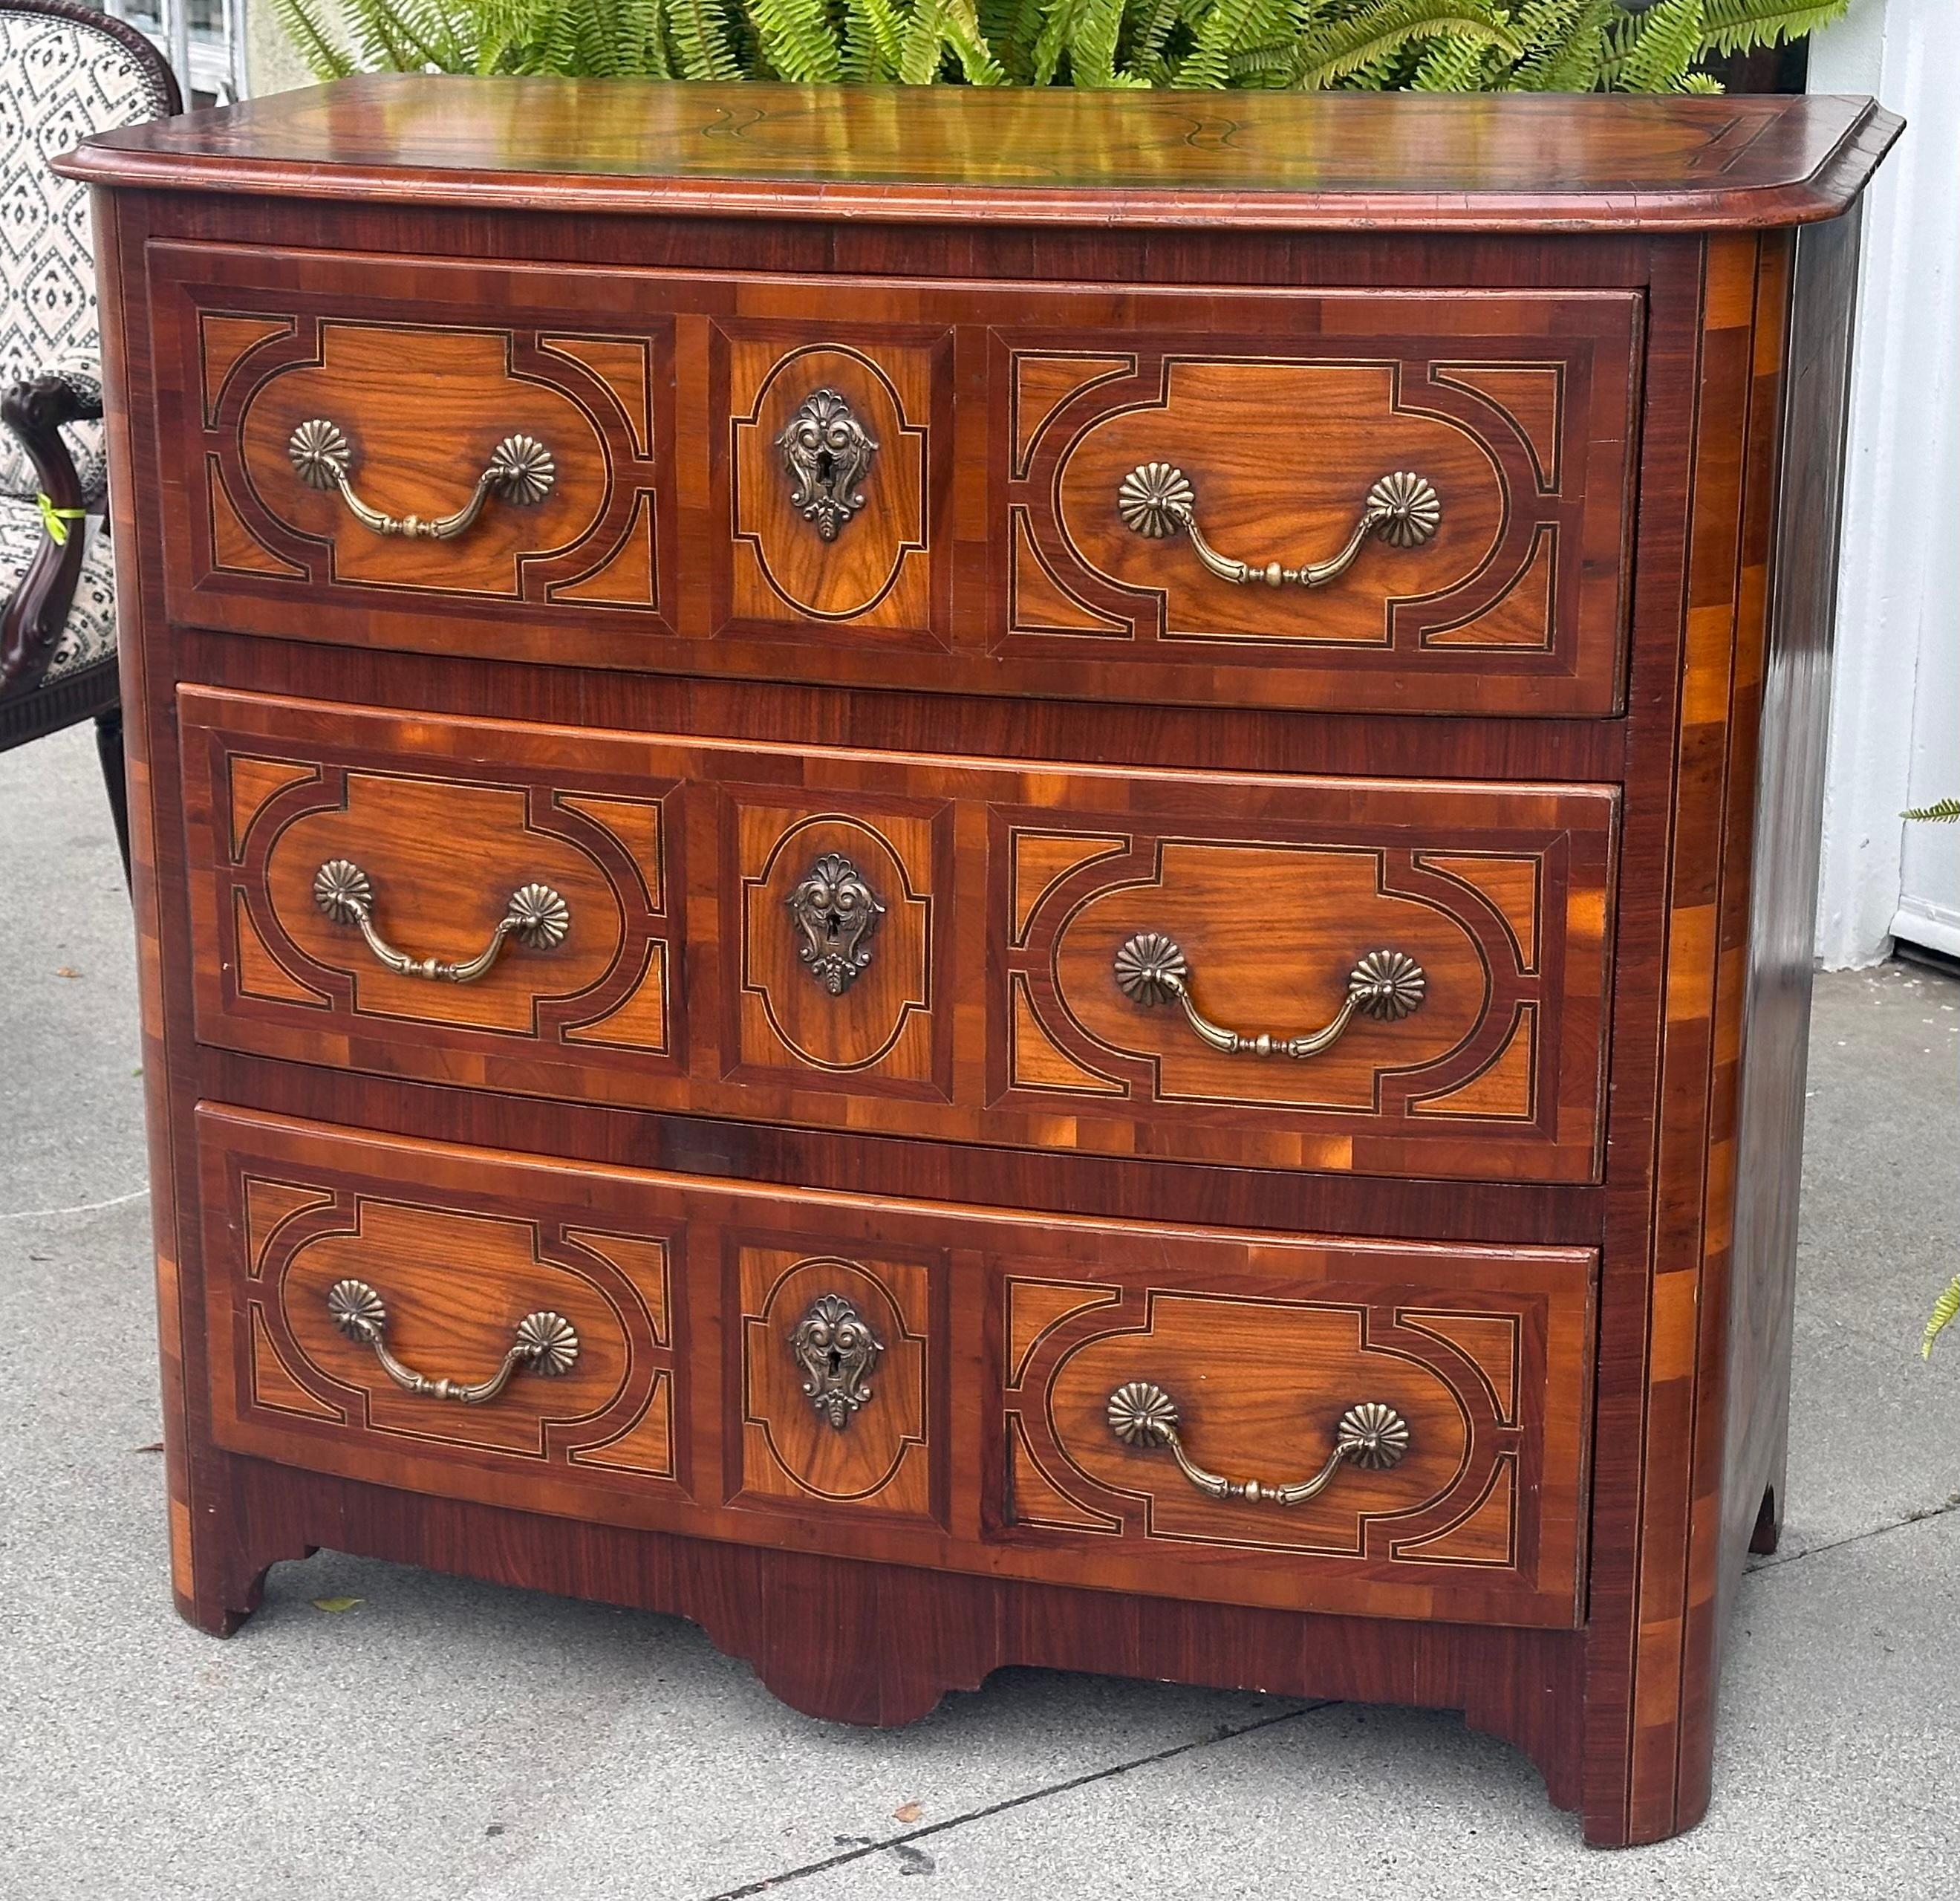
[[34, 411]]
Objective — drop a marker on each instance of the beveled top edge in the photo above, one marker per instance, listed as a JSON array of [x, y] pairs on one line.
[[1256, 161]]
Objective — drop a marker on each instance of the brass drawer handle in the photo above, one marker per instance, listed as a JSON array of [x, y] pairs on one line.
[[545, 1343], [1386, 985], [537, 916], [1369, 1434], [520, 471], [1157, 500]]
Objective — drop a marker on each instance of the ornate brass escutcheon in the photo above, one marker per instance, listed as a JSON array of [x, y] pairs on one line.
[[826, 453], [838, 913], [837, 1351]]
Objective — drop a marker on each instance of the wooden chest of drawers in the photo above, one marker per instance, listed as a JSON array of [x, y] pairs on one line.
[[968, 878]]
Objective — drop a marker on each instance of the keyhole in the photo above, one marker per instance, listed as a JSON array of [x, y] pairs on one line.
[[834, 1360], [826, 468], [832, 923]]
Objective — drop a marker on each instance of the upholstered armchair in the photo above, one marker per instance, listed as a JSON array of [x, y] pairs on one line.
[[65, 71]]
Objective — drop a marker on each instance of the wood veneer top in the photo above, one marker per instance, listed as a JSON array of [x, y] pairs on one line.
[[1272, 161]]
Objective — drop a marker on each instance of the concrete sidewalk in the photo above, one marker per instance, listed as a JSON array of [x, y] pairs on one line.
[[447, 1741]]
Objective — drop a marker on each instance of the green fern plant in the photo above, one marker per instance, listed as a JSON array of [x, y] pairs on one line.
[[1370, 45]]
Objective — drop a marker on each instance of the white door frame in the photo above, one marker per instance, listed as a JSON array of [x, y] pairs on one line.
[[1899, 583]]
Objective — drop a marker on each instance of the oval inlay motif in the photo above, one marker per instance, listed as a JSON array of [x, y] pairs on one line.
[[858, 1027], [839, 579], [1271, 933]]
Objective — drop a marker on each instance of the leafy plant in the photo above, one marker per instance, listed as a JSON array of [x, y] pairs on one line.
[[1946, 1309], [1941, 811], [1372, 46]]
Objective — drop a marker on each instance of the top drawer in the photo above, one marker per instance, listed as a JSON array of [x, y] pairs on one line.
[[1360, 500]]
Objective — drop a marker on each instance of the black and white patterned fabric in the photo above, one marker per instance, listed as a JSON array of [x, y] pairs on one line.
[[60, 80], [89, 633]]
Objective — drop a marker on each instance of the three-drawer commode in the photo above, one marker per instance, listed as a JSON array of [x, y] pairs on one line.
[[991, 879]]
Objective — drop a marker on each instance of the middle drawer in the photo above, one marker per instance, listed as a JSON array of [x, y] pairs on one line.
[[1393, 977]]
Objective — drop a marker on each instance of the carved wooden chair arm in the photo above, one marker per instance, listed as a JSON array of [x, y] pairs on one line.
[[34, 412]]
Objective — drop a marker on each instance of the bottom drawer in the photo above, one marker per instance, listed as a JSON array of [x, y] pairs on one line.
[[1385, 1428]]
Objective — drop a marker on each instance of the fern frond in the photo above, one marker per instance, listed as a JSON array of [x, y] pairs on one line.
[[922, 48], [1566, 47], [1941, 812], [1147, 30], [1050, 40], [1452, 64], [1735, 25], [1457, 46], [960, 28], [552, 42], [1945, 1311], [1014, 40], [324, 59], [612, 39], [1092, 46], [1341, 46], [698, 31], [1654, 50], [1229, 27], [400, 36], [871, 37], [797, 40]]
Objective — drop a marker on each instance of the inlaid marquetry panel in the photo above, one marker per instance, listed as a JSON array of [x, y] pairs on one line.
[[1516, 410], [1260, 1349], [443, 839], [401, 362], [1502, 896], [979, 547], [883, 1457], [456, 1263], [821, 1000], [880, 405]]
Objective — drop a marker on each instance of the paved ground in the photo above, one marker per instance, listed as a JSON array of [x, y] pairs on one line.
[[446, 1741]]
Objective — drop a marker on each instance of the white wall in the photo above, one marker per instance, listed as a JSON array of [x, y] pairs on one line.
[[1895, 713], [271, 63]]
